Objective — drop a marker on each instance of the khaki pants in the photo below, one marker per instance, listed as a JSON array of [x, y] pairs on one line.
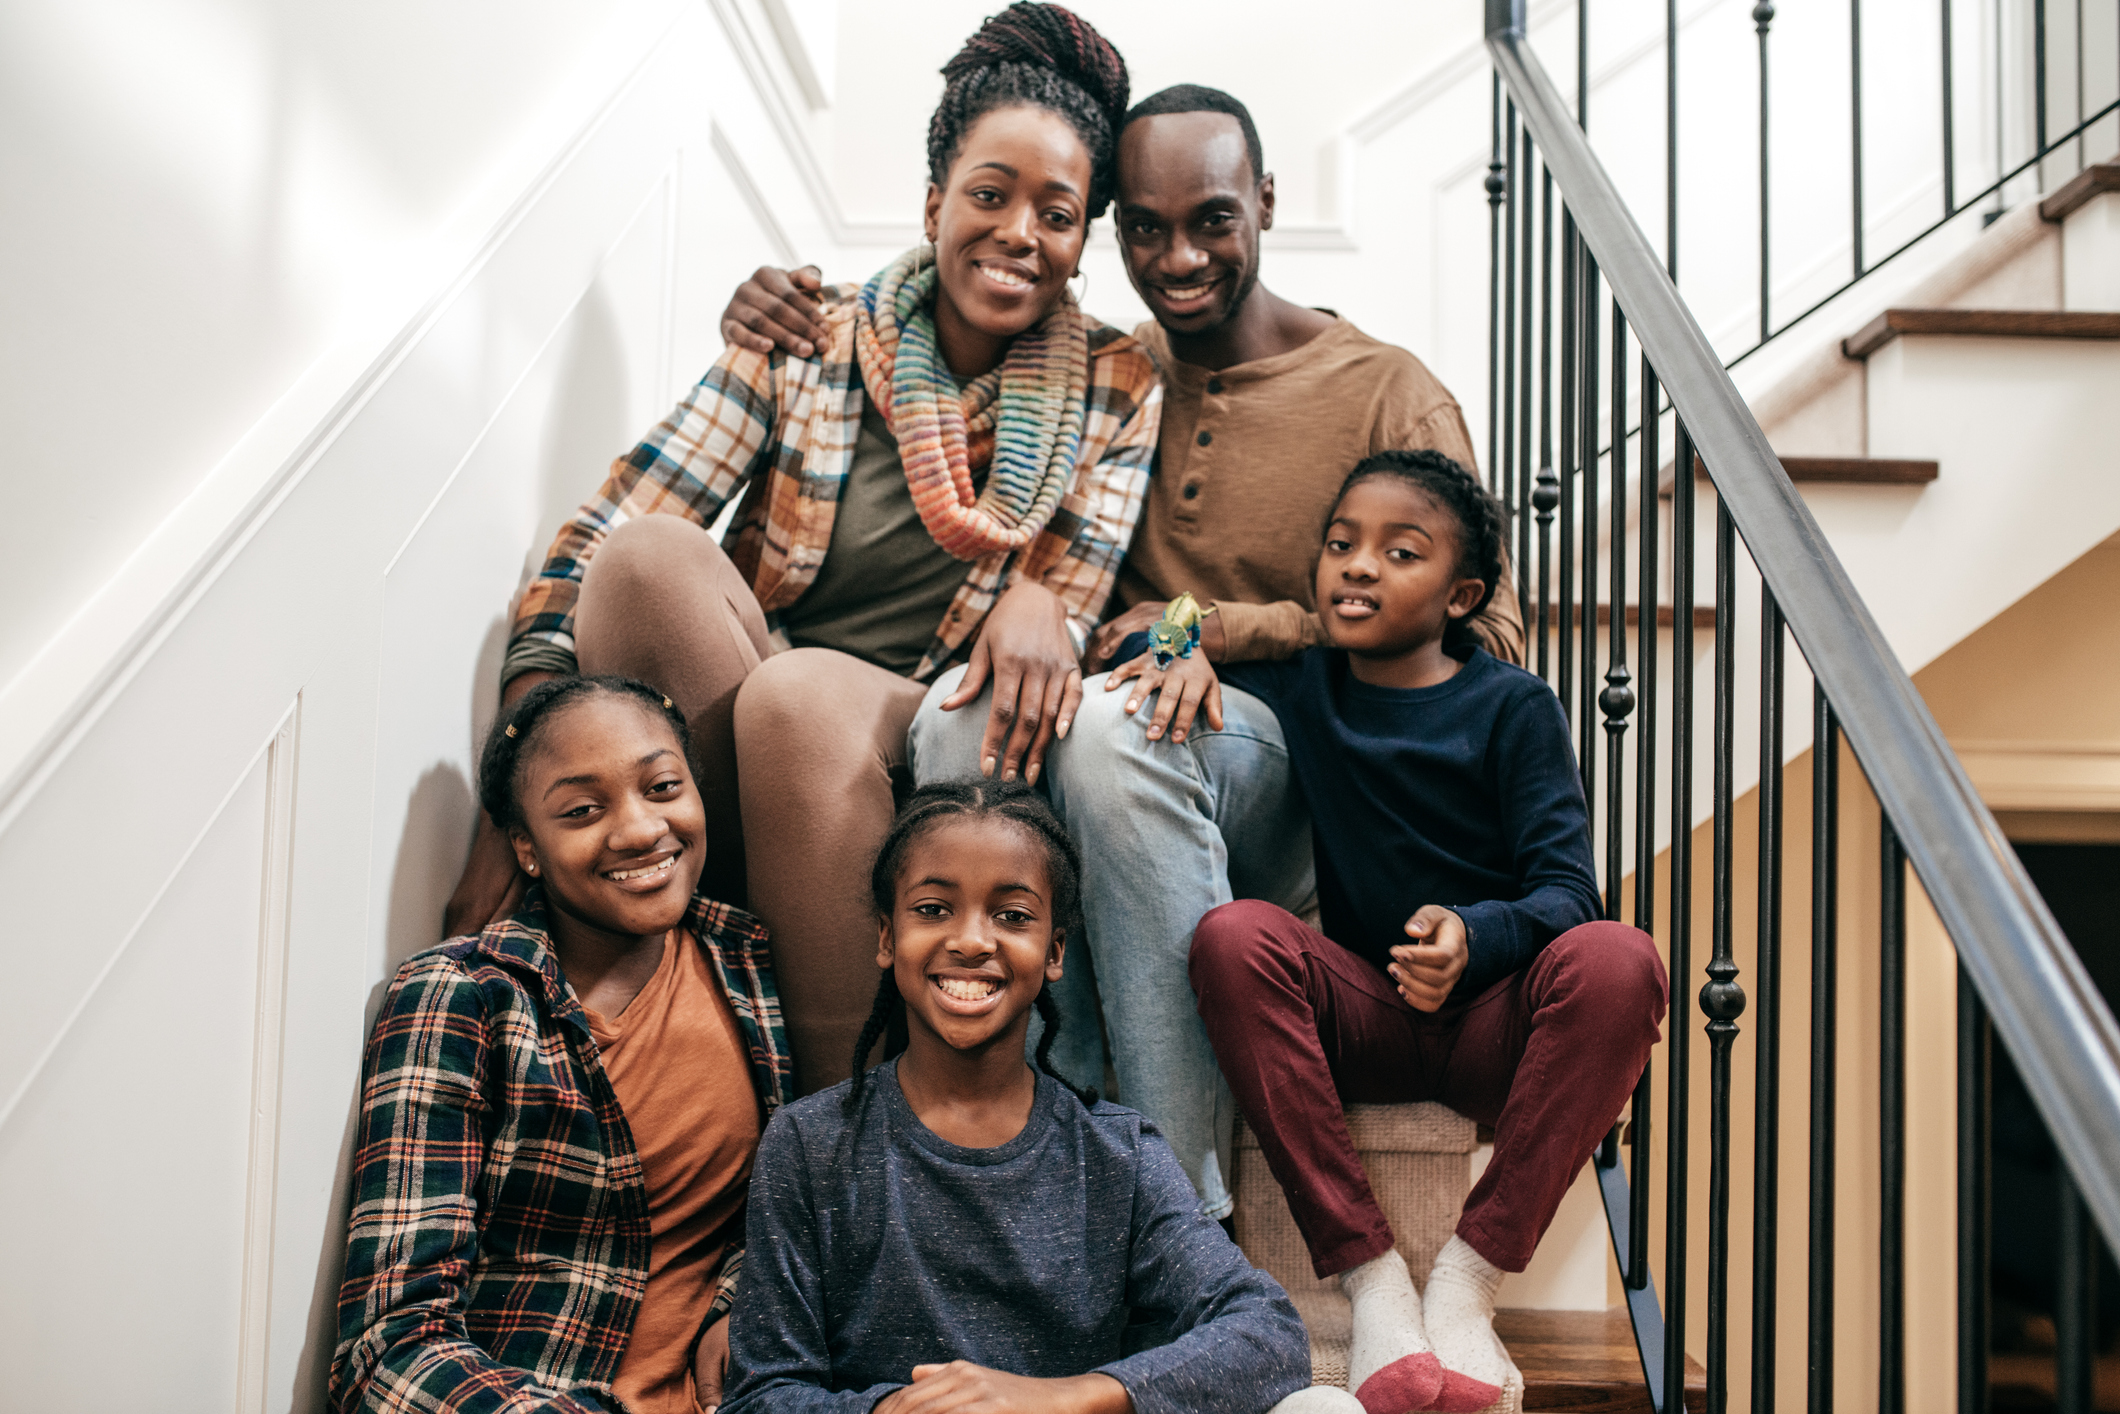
[[793, 753]]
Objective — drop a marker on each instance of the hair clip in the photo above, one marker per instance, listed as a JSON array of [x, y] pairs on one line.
[[509, 731], [668, 705]]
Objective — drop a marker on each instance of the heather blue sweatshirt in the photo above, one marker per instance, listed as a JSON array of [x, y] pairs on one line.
[[1464, 794], [876, 1245]]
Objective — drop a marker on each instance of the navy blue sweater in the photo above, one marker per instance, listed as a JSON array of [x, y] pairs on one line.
[[876, 1245], [1464, 794]]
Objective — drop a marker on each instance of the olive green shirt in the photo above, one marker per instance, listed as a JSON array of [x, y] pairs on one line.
[[884, 583]]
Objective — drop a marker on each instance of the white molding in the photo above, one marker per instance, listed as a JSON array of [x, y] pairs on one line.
[[754, 199], [796, 50], [267, 1054], [59, 696]]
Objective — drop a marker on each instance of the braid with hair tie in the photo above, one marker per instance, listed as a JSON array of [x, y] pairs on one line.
[[1040, 56], [928, 807]]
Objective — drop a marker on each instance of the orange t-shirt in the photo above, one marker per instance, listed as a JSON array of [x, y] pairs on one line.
[[683, 1078]]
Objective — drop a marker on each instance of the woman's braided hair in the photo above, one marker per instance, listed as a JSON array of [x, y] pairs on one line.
[[1041, 56], [515, 732], [1481, 520], [1021, 806]]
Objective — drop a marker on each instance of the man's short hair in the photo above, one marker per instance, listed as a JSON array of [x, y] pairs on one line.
[[1198, 98]]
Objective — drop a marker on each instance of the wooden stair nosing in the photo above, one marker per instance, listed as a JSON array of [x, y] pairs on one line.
[[2090, 182], [1584, 1361], [1849, 471], [1985, 323]]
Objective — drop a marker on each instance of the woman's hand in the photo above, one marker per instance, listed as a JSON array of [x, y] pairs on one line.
[[1186, 686], [776, 309], [961, 1387], [1104, 643], [710, 1365], [1427, 971], [1025, 649]]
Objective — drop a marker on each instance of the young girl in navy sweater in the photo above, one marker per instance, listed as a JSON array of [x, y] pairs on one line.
[[955, 1231], [1460, 960]]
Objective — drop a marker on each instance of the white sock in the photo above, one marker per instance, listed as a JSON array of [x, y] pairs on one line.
[[1460, 1309], [1319, 1399], [1390, 1366]]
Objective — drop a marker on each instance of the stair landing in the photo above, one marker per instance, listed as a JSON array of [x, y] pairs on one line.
[[1584, 1361]]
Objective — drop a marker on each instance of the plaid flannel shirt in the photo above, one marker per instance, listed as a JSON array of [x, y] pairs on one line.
[[782, 430], [499, 1241]]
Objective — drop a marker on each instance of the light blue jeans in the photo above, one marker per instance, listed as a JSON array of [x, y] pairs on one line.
[[1167, 832]]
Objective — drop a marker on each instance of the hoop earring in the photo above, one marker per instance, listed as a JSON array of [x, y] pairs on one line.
[[923, 254], [1083, 293]]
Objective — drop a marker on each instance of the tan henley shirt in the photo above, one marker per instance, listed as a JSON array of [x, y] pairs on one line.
[[1249, 460]]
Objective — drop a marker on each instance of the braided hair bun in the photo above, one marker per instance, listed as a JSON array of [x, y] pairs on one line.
[[1041, 56]]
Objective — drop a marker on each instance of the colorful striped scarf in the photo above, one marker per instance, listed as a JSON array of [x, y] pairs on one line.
[[1024, 419]]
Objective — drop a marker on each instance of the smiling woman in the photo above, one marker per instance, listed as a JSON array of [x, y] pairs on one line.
[[558, 1116], [952, 478]]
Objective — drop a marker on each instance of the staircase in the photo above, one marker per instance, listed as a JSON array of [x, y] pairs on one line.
[[1419, 1159]]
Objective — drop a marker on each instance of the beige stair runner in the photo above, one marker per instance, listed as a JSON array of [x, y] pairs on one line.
[[1419, 1159]]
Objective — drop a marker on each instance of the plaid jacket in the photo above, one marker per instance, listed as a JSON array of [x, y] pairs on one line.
[[499, 1241], [782, 430]]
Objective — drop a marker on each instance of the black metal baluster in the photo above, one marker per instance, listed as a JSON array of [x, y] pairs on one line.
[[1501, 474], [1571, 327], [1494, 186], [1975, 1185], [1526, 357], [1766, 1028], [1825, 1040], [1855, 87], [1722, 1001], [1678, 1029], [1586, 729], [1950, 123], [1616, 702], [1762, 18], [2075, 1304], [2039, 78], [1671, 139], [1647, 593], [1892, 1161], [1548, 493]]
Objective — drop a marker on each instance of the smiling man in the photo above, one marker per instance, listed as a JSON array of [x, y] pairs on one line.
[[1267, 406]]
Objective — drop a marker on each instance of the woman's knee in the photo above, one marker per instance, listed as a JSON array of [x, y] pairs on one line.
[[802, 694], [648, 555]]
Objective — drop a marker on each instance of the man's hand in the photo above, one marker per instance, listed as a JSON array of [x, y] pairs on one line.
[[493, 883], [1184, 687], [1426, 970], [1104, 643], [1025, 649], [710, 1364], [961, 1387], [776, 309]]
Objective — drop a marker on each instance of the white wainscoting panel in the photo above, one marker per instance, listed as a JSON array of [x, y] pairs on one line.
[[200, 948]]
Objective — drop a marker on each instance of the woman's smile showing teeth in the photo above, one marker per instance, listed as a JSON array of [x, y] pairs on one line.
[[645, 874], [1006, 278]]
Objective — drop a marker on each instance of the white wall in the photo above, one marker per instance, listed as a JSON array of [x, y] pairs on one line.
[[237, 782]]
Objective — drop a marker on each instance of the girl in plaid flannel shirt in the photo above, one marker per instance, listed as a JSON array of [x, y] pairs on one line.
[[558, 1115]]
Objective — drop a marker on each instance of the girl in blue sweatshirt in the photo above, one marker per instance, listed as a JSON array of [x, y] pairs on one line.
[[958, 1231]]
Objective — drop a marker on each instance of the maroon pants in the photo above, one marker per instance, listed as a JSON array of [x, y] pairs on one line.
[[1548, 1056]]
